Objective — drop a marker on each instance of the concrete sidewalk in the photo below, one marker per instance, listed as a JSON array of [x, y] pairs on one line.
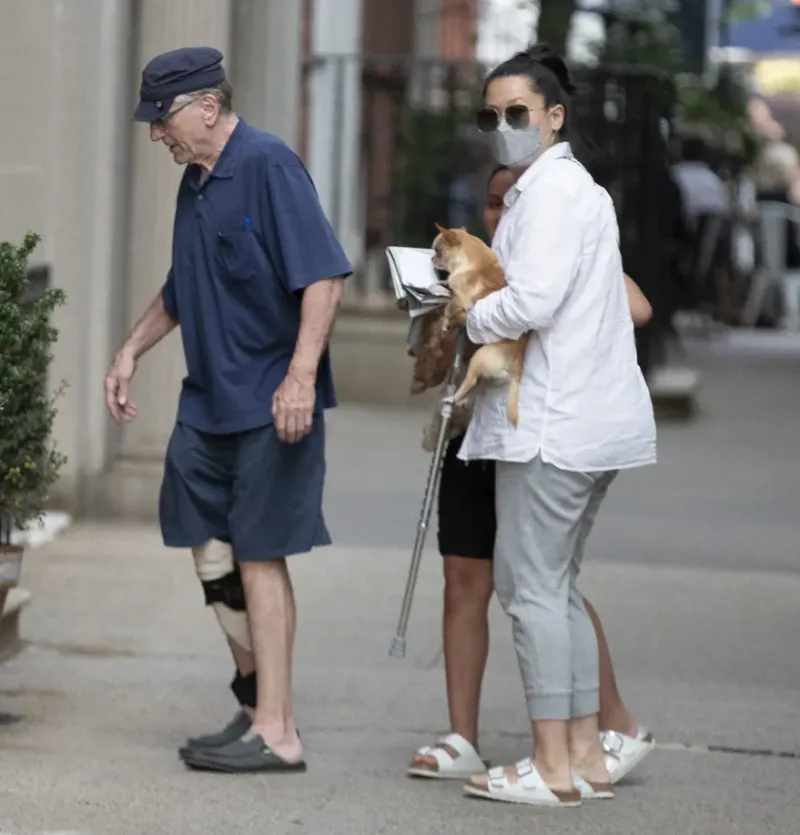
[[695, 569], [124, 662]]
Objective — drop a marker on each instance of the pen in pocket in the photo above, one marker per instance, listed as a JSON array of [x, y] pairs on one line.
[[247, 223]]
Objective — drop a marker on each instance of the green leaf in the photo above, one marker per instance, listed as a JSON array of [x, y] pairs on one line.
[[29, 461]]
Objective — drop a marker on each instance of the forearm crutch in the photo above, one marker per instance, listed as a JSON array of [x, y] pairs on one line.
[[398, 647]]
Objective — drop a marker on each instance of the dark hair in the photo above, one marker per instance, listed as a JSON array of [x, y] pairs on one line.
[[494, 172], [547, 73]]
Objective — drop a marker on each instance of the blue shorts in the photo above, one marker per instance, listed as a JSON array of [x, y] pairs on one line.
[[247, 488]]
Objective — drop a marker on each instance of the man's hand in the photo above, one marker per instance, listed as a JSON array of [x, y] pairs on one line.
[[293, 406], [118, 382]]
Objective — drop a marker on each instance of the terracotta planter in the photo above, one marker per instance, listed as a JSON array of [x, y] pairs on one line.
[[10, 570]]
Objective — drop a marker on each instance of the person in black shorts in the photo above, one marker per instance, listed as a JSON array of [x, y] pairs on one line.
[[466, 540]]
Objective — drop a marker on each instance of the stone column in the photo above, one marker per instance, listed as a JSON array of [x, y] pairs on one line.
[[266, 67], [101, 301], [154, 180], [334, 120]]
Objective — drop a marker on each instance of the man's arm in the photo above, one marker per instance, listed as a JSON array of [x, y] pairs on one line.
[[293, 402], [317, 315], [540, 271], [159, 319], [154, 325]]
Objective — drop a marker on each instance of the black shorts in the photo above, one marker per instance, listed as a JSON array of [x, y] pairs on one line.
[[247, 488], [467, 522]]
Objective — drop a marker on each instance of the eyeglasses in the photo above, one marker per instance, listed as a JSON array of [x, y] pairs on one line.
[[166, 118], [517, 116]]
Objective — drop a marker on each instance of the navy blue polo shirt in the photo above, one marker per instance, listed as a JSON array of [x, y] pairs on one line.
[[246, 243]]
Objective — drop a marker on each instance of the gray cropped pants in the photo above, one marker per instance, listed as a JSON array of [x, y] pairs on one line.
[[544, 515]]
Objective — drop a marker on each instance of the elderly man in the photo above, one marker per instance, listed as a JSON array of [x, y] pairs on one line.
[[254, 285]]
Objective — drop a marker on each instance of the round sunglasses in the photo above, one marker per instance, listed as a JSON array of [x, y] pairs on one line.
[[517, 116]]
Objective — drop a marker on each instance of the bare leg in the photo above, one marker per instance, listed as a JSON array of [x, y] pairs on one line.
[[468, 590], [614, 715], [243, 658], [271, 612], [222, 585], [552, 753], [586, 752]]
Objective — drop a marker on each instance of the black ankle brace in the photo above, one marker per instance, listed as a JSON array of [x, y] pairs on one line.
[[245, 689]]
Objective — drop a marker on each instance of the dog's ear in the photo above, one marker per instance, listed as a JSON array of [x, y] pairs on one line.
[[451, 237], [440, 228]]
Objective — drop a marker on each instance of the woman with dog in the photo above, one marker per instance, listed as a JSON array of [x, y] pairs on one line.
[[585, 413], [466, 541]]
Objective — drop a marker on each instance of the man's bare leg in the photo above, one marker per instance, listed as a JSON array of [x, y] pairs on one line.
[[222, 587], [271, 613], [243, 658]]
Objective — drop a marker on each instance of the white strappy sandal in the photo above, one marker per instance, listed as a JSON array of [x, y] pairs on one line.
[[529, 788], [456, 759]]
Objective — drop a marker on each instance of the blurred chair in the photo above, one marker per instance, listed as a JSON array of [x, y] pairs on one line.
[[776, 222]]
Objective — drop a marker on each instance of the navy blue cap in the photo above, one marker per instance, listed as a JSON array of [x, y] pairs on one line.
[[171, 74]]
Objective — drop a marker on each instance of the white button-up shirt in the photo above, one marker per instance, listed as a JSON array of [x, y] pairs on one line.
[[584, 404]]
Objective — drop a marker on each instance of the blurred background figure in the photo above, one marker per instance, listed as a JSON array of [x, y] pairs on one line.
[[702, 190], [777, 179], [706, 224]]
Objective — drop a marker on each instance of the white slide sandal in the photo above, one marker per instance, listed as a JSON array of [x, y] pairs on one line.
[[624, 753], [529, 788], [593, 791], [455, 757]]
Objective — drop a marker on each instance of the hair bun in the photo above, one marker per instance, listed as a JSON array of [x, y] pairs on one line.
[[542, 54]]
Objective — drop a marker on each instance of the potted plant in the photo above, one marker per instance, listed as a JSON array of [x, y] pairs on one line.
[[29, 461]]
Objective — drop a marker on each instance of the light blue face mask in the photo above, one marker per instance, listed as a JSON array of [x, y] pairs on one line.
[[515, 148]]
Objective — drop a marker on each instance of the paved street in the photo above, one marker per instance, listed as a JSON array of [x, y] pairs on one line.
[[695, 568]]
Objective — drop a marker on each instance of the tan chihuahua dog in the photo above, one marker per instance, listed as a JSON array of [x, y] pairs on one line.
[[475, 273]]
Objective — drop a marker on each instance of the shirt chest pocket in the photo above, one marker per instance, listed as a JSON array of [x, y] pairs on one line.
[[240, 255]]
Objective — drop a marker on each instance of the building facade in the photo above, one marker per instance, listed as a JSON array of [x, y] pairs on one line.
[[76, 169]]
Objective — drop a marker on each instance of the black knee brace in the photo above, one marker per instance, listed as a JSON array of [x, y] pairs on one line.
[[245, 689], [227, 590]]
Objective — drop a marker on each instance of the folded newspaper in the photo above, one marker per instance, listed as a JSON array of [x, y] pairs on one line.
[[417, 285]]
